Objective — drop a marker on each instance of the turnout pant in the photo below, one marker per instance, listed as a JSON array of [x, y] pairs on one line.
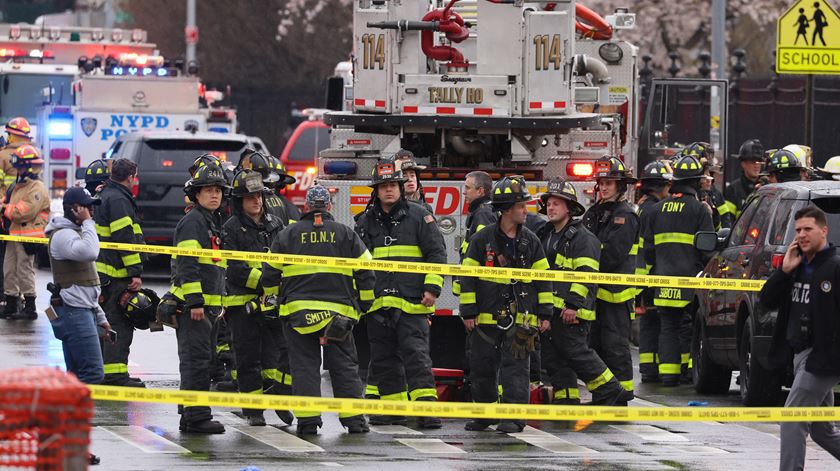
[[492, 363], [18, 271], [305, 362], [685, 338], [670, 338], [195, 352], [649, 342], [808, 390], [116, 355], [261, 354], [610, 339], [399, 355], [224, 359]]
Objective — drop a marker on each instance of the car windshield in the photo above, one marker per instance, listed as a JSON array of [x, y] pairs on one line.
[[179, 154], [309, 143]]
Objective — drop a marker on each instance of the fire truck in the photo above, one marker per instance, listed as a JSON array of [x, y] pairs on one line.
[[116, 95]]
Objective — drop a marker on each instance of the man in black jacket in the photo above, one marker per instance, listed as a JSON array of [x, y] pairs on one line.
[[806, 291], [751, 156]]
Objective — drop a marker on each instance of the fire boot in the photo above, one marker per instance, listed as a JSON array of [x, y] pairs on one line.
[[28, 313], [11, 306], [428, 422]]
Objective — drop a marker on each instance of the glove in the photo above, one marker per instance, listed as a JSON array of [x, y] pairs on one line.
[[524, 341], [168, 310], [339, 328]]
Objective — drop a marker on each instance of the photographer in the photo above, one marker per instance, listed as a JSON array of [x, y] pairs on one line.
[[807, 328]]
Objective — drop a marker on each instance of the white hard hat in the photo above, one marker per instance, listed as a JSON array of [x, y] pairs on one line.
[[832, 167]]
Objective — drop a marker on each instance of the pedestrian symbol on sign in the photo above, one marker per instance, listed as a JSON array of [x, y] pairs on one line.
[[809, 39]]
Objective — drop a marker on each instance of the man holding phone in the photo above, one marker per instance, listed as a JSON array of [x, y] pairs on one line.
[[74, 310], [805, 293]]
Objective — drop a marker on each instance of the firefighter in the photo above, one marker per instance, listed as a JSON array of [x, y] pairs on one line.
[[656, 180], [27, 210], [669, 250], [320, 305], [274, 204], [831, 169], [504, 316], [413, 188], [477, 189], [722, 215], [199, 284], [398, 321], [751, 156], [785, 166], [565, 351], [258, 342], [96, 174], [119, 270], [284, 180], [616, 225], [17, 130]]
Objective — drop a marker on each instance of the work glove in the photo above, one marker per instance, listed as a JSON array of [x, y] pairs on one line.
[[339, 328], [524, 341]]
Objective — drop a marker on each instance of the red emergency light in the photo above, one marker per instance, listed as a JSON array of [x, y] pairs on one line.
[[60, 154], [580, 170]]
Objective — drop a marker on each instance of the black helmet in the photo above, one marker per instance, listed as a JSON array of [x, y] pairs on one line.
[[139, 307], [687, 167], [700, 150], [508, 191], [261, 163], [657, 170], [562, 189], [751, 149], [247, 182], [280, 169], [783, 160], [98, 171], [405, 160], [207, 175], [612, 168], [202, 160], [384, 172]]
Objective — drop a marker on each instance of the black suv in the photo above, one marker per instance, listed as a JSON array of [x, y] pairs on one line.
[[163, 161], [731, 330]]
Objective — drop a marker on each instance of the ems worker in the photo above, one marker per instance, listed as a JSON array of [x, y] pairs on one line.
[[262, 358], [616, 225], [656, 181], [27, 209], [199, 283], [398, 321], [785, 166], [119, 270], [17, 131], [503, 315], [751, 156], [96, 174], [669, 250], [413, 188], [565, 349], [320, 306]]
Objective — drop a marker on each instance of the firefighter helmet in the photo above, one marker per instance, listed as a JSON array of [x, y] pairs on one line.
[[19, 127], [98, 171], [831, 170], [259, 162], [140, 307], [783, 160], [509, 191], [405, 160], [208, 175], [318, 197], [803, 153], [283, 175], [700, 150], [687, 167], [562, 189], [612, 168], [751, 150], [384, 172], [657, 170], [26, 156], [202, 160], [247, 182]]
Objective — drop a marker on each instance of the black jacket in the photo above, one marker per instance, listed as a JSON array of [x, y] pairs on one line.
[[116, 221], [480, 215], [646, 203], [281, 208], [616, 225], [669, 242], [408, 233], [574, 248], [484, 298], [311, 295], [199, 281], [824, 308], [736, 194], [240, 232]]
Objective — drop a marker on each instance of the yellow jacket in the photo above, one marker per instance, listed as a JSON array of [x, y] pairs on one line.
[[28, 208]]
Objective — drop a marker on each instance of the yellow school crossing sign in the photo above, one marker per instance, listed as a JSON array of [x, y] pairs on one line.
[[808, 39]]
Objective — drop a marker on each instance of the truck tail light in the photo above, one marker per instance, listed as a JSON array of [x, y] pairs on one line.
[[776, 260], [580, 170], [59, 154]]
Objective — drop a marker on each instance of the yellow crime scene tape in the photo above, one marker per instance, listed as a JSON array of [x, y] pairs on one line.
[[434, 268], [467, 409]]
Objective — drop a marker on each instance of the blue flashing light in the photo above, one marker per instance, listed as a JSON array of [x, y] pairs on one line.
[[60, 128], [162, 72], [340, 167], [219, 130], [118, 71]]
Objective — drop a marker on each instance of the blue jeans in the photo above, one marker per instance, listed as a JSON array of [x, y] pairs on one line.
[[76, 328]]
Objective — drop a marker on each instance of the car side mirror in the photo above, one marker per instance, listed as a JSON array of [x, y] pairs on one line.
[[722, 235], [706, 241]]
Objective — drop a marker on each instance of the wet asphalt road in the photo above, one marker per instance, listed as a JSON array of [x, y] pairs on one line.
[[131, 436]]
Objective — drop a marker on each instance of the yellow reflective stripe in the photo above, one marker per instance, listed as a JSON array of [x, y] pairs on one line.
[[586, 314], [415, 394], [568, 393], [313, 328], [305, 304], [669, 303], [224, 347], [193, 287], [634, 249], [237, 299], [585, 262], [300, 270], [558, 302], [365, 256], [371, 390], [646, 358], [397, 251], [670, 368], [467, 298], [545, 298], [432, 279], [115, 368], [530, 319], [456, 287], [256, 391], [469, 262], [132, 259], [615, 298], [102, 231], [401, 304], [641, 242], [269, 290], [673, 238], [221, 263], [579, 289], [685, 358], [464, 246], [277, 376], [601, 380], [484, 318], [136, 229], [627, 385], [189, 244], [306, 414], [275, 265], [213, 300], [366, 295], [400, 396], [111, 271], [541, 264], [120, 223], [641, 271], [253, 278]]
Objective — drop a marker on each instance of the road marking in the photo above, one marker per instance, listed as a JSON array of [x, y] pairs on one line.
[[144, 439], [693, 449], [651, 433], [278, 439], [394, 430], [548, 442], [331, 464], [430, 445]]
